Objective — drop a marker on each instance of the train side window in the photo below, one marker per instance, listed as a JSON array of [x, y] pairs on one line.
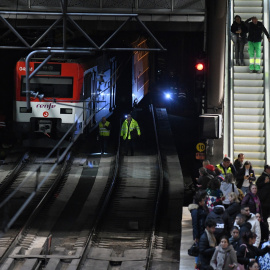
[[88, 83]]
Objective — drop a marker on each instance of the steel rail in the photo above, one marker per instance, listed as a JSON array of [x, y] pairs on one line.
[[68, 13], [50, 191], [13, 173], [104, 204], [160, 190]]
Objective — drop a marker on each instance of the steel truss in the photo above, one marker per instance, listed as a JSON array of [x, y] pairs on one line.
[[65, 16]]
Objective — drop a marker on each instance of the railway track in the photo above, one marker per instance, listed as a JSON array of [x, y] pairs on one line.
[[123, 239], [61, 218], [12, 165], [126, 234], [100, 217], [15, 180]]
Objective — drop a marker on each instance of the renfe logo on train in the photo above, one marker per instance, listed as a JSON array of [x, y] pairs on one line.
[[45, 114], [46, 106]]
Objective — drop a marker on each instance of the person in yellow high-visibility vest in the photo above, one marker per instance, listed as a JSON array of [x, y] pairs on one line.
[[130, 131], [226, 167], [104, 128]]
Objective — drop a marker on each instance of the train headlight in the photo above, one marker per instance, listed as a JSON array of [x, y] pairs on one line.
[[65, 111], [24, 110], [168, 96]]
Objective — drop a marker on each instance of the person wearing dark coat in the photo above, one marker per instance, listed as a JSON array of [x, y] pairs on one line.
[[244, 226], [252, 200], [239, 37], [207, 244], [235, 238], [209, 167], [245, 177], [239, 162], [221, 219], [247, 252], [264, 229], [255, 30], [263, 184], [199, 212], [214, 194], [204, 178], [233, 210]]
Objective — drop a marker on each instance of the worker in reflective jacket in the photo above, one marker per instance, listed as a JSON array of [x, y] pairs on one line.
[[130, 131], [226, 167], [104, 127]]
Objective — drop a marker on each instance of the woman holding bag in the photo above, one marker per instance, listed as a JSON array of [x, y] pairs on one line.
[[247, 252]]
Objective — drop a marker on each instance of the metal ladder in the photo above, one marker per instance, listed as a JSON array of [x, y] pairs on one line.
[[250, 104]]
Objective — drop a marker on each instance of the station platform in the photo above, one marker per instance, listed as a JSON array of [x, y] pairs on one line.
[[186, 262]]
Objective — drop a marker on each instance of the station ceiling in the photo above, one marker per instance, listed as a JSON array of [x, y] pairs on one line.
[[149, 10]]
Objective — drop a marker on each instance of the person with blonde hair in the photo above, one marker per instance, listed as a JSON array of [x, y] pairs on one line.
[[233, 210], [228, 186]]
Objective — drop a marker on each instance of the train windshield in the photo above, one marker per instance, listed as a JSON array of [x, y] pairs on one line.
[[56, 87]]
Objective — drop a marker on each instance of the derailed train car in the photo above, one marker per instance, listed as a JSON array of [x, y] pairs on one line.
[[140, 72], [63, 92]]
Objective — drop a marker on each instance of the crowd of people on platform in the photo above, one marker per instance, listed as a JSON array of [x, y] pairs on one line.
[[229, 216]]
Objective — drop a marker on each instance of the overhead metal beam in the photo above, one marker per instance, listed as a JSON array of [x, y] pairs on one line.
[[149, 32], [46, 32], [67, 16], [13, 30], [16, 13], [83, 49]]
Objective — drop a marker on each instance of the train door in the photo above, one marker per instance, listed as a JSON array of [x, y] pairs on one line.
[[89, 93]]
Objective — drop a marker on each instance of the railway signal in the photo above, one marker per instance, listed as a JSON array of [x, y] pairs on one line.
[[200, 68]]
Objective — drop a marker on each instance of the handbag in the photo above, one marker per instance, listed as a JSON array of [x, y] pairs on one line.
[[241, 266], [193, 250]]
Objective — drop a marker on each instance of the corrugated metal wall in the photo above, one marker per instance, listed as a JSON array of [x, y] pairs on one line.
[[183, 6]]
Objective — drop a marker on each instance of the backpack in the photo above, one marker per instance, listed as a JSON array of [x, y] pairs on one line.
[[220, 227]]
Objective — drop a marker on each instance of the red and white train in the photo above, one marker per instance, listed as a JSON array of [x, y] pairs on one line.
[[63, 92]]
